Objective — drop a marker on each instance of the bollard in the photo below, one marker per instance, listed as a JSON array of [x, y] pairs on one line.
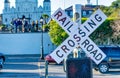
[[64, 64], [46, 69]]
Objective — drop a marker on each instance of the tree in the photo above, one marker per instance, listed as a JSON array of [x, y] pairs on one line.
[[100, 36], [45, 17], [115, 4], [103, 33], [116, 29], [112, 10], [115, 12], [45, 27], [107, 10], [57, 34]]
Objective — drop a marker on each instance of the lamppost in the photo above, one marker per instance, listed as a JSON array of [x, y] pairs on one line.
[[42, 51]]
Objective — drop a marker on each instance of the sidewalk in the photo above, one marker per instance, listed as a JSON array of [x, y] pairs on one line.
[[29, 66], [32, 67], [20, 67]]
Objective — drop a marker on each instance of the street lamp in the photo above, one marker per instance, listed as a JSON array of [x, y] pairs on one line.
[[42, 51]]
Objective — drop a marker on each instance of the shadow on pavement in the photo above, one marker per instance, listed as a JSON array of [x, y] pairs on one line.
[[20, 66], [114, 72], [19, 74], [22, 59]]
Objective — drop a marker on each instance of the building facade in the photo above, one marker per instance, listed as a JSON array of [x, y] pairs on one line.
[[27, 8], [0, 19], [86, 10]]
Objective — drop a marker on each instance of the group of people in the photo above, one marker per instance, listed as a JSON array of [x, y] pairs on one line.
[[22, 25]]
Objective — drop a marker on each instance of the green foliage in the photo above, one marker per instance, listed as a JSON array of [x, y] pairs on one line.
[[2, 26], [116, 28], [108, 31], [116, 4], [101, 34], [57, 34], [107, 10], [83, 20], [115, 14], [45, 17], [113, 10]]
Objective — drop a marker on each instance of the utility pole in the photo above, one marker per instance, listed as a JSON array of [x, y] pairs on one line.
[[96, 2]]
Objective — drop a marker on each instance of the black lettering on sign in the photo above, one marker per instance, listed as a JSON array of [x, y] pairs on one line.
[[91, 23], [71, 43], [76, 37], [90, 47], [65, 49], [94, 52], [58, 53], [83, 34], [86, 28], [98, 57], [69, 27], [85, 43], [66, 23], [63, 20], [58, 14], [98, 18]]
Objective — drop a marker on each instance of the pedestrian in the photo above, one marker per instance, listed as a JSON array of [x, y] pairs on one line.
[[33, 26], [12, 26], [36, 28], [20, 25], [23, 21], [24, 25], [16, 25]]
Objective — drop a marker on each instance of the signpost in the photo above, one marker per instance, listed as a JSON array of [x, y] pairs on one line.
[[79, 37]]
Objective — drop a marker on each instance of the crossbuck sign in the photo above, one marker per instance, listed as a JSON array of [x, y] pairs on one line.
[[78, 36]]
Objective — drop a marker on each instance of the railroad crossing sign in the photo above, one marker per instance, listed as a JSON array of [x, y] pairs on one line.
[[78, 35]]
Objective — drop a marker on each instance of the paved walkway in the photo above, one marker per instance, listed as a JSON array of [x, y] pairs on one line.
[[20, 67], [30, 67]]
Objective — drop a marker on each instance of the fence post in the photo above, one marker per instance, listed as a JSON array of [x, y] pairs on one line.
[[46, 69]]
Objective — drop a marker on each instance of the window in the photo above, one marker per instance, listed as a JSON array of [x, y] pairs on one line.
[[18, 9], [46, 7], [26, 9], [90, 12], [68, 13], [6, 9], [5, 19], [115, 52], [84, 13], [71, 13], [111, 51], [34, 8]]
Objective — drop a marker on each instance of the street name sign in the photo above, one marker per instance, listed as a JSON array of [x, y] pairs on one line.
[[78, 36]]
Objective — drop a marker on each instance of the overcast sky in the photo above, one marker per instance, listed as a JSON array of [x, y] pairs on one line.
[[63, 3]]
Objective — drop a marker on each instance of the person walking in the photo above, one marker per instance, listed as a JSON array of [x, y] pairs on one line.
[[36, 28], [20, 25], [24, 25], [33, 26], [16, 25]]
